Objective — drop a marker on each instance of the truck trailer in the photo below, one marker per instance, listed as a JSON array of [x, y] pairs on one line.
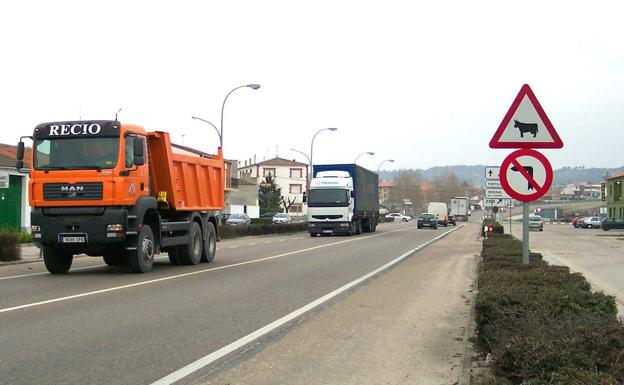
[[460, 207], [343, 199], [109, 189]]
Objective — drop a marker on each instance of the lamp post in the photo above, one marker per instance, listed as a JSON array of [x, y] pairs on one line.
[[309, 164], [364, 153], [382, 162], [252, 86], [213, 126], [312, 148]]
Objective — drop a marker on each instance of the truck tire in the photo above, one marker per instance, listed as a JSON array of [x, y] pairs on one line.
[[358, 227], [56, 261], [115, 260], [141, 260], [210, 244], [191, 253], [174, 255]]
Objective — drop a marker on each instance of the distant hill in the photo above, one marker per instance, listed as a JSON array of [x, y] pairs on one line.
[[474, 174]]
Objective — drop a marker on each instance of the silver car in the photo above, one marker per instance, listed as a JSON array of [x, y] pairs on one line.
[[238, 219], [591, 223], [536, 223], [282, 218]]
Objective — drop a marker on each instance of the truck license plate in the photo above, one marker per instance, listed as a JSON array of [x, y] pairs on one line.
[[73, 238]]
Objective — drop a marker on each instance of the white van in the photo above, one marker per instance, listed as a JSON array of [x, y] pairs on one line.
[[440, 210]]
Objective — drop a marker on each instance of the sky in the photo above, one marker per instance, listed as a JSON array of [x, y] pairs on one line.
[[425, 83]]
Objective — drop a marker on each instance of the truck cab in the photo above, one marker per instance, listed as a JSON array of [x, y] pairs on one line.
[[330, 203]]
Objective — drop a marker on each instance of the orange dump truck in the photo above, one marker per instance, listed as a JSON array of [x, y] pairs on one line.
[[111, 189]]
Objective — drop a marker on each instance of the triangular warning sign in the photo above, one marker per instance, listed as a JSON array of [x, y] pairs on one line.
[[526, 125]]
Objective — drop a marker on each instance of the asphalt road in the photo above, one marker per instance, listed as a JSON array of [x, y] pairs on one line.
[[595, 253], [102, 325]]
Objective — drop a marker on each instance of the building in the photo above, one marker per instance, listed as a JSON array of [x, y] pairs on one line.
[[290, 175], [14, 206], [615, 198], [385, 188]]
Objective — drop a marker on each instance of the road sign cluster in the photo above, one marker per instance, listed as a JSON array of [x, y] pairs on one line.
[[525, 174]]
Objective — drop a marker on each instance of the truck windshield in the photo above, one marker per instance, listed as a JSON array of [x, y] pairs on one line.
[[328, 198], [76, 153]]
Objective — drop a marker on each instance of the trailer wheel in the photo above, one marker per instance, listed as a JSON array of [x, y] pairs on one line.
[[56, 261], [141, 260], [114, 260], [191, 253], [210, 244]]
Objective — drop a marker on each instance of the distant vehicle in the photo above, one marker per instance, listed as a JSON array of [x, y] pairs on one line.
[[536, 223], [238, 219], [428, 220], [459, 208], [452, 220], [268, 214], [222, 217], [282, 218], [399, 217], [591, 222], [612, 223], [440, 210]]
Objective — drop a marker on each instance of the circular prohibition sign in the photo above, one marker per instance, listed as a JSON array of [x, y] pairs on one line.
[[541, 166]]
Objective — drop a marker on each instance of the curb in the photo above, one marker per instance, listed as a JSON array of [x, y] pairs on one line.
[[466, 361]]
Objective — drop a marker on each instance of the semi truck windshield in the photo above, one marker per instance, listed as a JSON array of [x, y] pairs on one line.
[[76, 153], [328, 198]]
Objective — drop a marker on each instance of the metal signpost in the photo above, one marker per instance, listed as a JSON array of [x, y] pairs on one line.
[[526, 175]]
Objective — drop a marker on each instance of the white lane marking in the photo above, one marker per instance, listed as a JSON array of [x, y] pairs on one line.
[[212, 357], [251, 244], [73, 269], [86, 294]]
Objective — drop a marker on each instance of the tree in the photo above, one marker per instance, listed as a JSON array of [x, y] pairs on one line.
[[287, 203], [269, 195]]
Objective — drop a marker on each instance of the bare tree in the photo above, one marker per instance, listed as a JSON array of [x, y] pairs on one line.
[[287, 203]]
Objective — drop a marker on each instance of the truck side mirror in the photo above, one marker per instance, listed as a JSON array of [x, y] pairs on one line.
[[352, 194], [20, 156], [305, 197], [139, 154]]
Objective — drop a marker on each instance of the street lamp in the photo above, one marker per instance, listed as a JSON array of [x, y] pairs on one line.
[[312, 148], [364, 153], [213, 126], [382, 162], [309, 163], [252, 86]]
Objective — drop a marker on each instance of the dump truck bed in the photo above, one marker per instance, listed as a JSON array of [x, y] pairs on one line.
[[187, 179]]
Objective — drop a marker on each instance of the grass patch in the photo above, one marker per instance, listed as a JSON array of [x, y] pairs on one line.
[[543, 324]]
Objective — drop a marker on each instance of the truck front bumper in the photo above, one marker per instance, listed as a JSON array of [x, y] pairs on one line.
[[329, 227], [90, 230]]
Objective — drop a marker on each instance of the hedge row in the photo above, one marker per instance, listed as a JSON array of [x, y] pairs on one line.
[[227, 231], [543, 325], [9, 247]]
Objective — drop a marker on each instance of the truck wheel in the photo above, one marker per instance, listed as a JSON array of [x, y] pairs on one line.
[[141, 260], [174, 255], [191, 253], [358, 227], [312, 235], [210, 244], [115, 260], [56, 261]]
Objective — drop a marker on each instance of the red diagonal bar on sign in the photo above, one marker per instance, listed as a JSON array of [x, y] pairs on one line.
[[525, 174]]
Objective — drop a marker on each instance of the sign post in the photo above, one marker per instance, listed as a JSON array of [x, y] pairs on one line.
[[526, 175]]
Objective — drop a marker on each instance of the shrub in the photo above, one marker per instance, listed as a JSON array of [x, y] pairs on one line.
[[542, 324], [9, 247], [226, 232]]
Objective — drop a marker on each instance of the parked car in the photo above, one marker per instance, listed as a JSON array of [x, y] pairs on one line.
[[452, 220], [399, 217], [238, 219], [536, 223], [576, 222], [612, 223], [268, 214], [428, 220], [282, 218], [591, 222], [221, 218]]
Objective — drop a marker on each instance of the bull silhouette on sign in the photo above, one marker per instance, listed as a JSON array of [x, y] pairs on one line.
[[526, 127]]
